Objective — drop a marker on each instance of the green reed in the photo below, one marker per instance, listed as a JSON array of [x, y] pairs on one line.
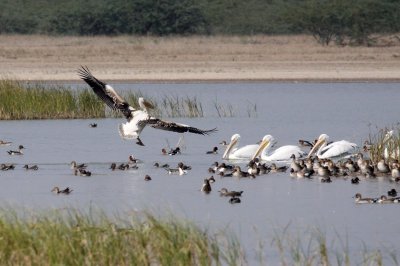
[[74, 238], [18, 101], [378, 144], [39, 101], [311, 247]]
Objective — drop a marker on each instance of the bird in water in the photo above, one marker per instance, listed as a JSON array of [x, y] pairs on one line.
[[137, 119], [18, 152], [57, 190], [206, 188], [33, 167]]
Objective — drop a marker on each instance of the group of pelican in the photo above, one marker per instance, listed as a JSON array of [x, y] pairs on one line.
[[264, 150]]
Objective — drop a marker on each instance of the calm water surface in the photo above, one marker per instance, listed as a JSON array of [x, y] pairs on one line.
[[269, 203]]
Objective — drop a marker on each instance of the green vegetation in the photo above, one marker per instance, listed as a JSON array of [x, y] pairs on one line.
[[74, 238], [39, 101], [384, 144], [70, 237], [353, 22]]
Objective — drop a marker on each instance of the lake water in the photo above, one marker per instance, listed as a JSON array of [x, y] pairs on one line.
[[288, 111]]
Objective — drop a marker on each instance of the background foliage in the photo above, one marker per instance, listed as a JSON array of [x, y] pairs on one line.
[[341, 21]]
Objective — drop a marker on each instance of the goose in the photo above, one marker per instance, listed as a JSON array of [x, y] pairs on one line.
[[137, 119]]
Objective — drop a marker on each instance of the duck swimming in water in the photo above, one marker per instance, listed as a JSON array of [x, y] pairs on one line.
[[57, 190], [18, 152]]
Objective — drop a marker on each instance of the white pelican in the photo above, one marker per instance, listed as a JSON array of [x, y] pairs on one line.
[[232, 152], [137, 118], [283, 153], [336, 149]]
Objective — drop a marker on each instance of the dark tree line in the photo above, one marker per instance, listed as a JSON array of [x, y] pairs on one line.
[[339, 21]]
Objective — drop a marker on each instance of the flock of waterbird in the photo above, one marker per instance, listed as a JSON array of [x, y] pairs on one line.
[[324, 160]]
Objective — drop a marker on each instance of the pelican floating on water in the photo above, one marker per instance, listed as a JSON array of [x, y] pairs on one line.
[[336, 149], [283, 153], [137, 118], [232, 152]]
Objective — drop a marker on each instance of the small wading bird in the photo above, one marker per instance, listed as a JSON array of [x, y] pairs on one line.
[[137, 118]]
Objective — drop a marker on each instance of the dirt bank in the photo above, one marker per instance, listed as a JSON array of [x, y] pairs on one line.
[[257, 58]]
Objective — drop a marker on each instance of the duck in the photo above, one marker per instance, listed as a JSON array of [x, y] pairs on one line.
[[184, 166], [62, 191], [355, 180], [224, 192], [360, 200], [93, 125], [82, 172], [74, 165], [5, 143], [33, 167], [392, 192], [158, 165], [175, 151], [276, 169], [147, 178], [384, 199], [213, 151], [235, 200], [6, 167], [18, 152], [237, 172], [206, 188], [211, 179], [122, 166], [176, 171]]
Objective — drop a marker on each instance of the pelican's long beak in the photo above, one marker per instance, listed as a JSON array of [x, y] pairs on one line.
[[316, 147], [229, 148], [263, 145]]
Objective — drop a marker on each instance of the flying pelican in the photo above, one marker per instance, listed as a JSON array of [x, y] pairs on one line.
[[283, 153], [137, 118], [232, 152], [335, 149]]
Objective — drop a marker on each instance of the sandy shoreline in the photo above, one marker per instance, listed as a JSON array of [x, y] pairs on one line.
[[195, 59]]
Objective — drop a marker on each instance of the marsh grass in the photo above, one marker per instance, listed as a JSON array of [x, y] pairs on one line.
[[37, 101], [311, 247], [74, 238], [379, 145]]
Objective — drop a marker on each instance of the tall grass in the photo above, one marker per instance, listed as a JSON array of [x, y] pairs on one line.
[[40, 102], [74, 238], [379, 145], [311, 247]]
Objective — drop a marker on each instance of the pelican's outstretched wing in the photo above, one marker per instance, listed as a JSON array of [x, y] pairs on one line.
[[176, 127], [106, 93]]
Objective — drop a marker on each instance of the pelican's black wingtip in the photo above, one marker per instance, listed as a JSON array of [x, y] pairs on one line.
[[208, 132]]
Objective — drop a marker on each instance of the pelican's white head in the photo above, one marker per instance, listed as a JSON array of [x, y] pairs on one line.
[[267, 142], [234, 141], [145, 104], [322, 140]]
